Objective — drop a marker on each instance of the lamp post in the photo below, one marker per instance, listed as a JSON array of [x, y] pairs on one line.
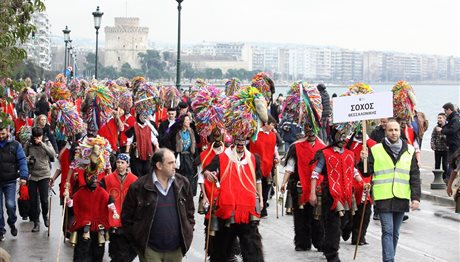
[[66, 32], [97, 24], [179, 8]]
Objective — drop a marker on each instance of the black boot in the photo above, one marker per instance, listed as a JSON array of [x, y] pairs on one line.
[[46, 222], [36, 227]]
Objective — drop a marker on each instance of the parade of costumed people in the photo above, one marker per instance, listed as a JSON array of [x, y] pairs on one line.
[[303, 105], [239, 174]]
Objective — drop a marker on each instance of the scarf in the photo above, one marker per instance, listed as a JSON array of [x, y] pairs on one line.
[[394, 148], [143, 141]]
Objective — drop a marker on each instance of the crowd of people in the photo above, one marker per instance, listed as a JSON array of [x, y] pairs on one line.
[[131, 155]]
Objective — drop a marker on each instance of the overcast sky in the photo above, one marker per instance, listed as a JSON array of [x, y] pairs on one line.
[[411, 26]]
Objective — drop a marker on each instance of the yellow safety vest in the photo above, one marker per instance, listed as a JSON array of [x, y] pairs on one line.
[[391, 180]]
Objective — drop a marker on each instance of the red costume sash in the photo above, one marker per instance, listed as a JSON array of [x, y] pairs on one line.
[[305, 153], [265, 148], [118, 190], [143, 141], [90, 207], [358, 187], [340, 172], [238, 187]]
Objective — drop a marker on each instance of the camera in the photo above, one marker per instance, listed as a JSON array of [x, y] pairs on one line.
[[31, 161]]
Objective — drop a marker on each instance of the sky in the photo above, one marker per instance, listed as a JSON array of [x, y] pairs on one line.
[[409, 26]]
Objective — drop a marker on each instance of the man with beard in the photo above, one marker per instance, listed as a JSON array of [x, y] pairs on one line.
[[13, 164], [336, 163], [142, 143], [238, 172], [297, 172]]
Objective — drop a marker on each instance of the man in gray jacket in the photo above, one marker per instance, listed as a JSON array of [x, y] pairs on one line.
[[39, 152]]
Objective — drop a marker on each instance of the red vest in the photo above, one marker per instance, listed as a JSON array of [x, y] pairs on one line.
[[237, 189], [118, 191], [340, 172], [65, 167], [90, 207], [265, 148], [206, 157], [305, 153]]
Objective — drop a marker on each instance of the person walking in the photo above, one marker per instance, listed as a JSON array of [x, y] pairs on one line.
[[185, 150], [439, 145], [13, 165], [117, 185], [451, 129], [396, 184], [158, 212], [39, 153]]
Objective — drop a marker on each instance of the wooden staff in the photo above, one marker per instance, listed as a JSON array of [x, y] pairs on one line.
[[49, 210], [276, 189], [363, 125], [361, 224], [63, 221], [209, 222]]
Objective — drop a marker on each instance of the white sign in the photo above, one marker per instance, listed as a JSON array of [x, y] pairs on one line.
[[362, 107]]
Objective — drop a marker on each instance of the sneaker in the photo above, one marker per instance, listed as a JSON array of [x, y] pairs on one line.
[[14, 230]]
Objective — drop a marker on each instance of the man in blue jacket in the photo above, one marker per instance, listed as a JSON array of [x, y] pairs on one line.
[[13, 164]]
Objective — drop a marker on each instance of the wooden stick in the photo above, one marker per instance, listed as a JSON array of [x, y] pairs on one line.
[[209, 222], [360, 225], [364, 131], [49, 212], [276, 190], [62, 225]]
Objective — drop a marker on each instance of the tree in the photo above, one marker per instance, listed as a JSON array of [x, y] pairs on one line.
[[15, 28]]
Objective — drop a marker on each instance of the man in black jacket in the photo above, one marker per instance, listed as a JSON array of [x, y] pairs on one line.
[[451, 129], [162, 203]]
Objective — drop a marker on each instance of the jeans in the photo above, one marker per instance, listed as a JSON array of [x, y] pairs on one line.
[[9, 190], [391, 222]]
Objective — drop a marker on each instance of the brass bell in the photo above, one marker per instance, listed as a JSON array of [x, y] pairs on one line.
[[214, 225], [73, 238], [86, 232], [101, 235]]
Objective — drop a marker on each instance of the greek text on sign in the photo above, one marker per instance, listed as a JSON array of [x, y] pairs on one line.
[[362, 107]]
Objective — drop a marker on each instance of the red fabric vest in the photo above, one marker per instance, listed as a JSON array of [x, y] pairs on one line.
[[265, 148], [161, 115], [110, 132], [118, 191], [206, 158], [90, 206], [358, 187], [237, 189], [143, 141], [340, 171], [305, 153], [128, 124], [65, 167]]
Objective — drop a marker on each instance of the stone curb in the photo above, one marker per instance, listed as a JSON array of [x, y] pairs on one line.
[[448, 201]]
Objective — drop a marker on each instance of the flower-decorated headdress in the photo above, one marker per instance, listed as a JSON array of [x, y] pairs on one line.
[[92, 155], [169, 96], [404, 101], [97, 107], [264, 83], [244, 113], [65, 118], [146, 98]]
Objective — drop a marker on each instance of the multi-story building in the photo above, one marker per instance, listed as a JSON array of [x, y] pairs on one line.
[[124, 41], [372, 66], [38, 47]]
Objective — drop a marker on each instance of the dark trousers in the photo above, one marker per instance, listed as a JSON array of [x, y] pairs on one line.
[[307, 230], [265, 190], [186, 169], [88, 250], [250, 243], [332, 229], [440, 158], [357, 221], [42, 186], [119, 248], [140, 167]]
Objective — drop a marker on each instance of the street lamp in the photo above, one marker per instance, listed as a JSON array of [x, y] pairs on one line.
[[179, 8], [97, 24], [66, 32]]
